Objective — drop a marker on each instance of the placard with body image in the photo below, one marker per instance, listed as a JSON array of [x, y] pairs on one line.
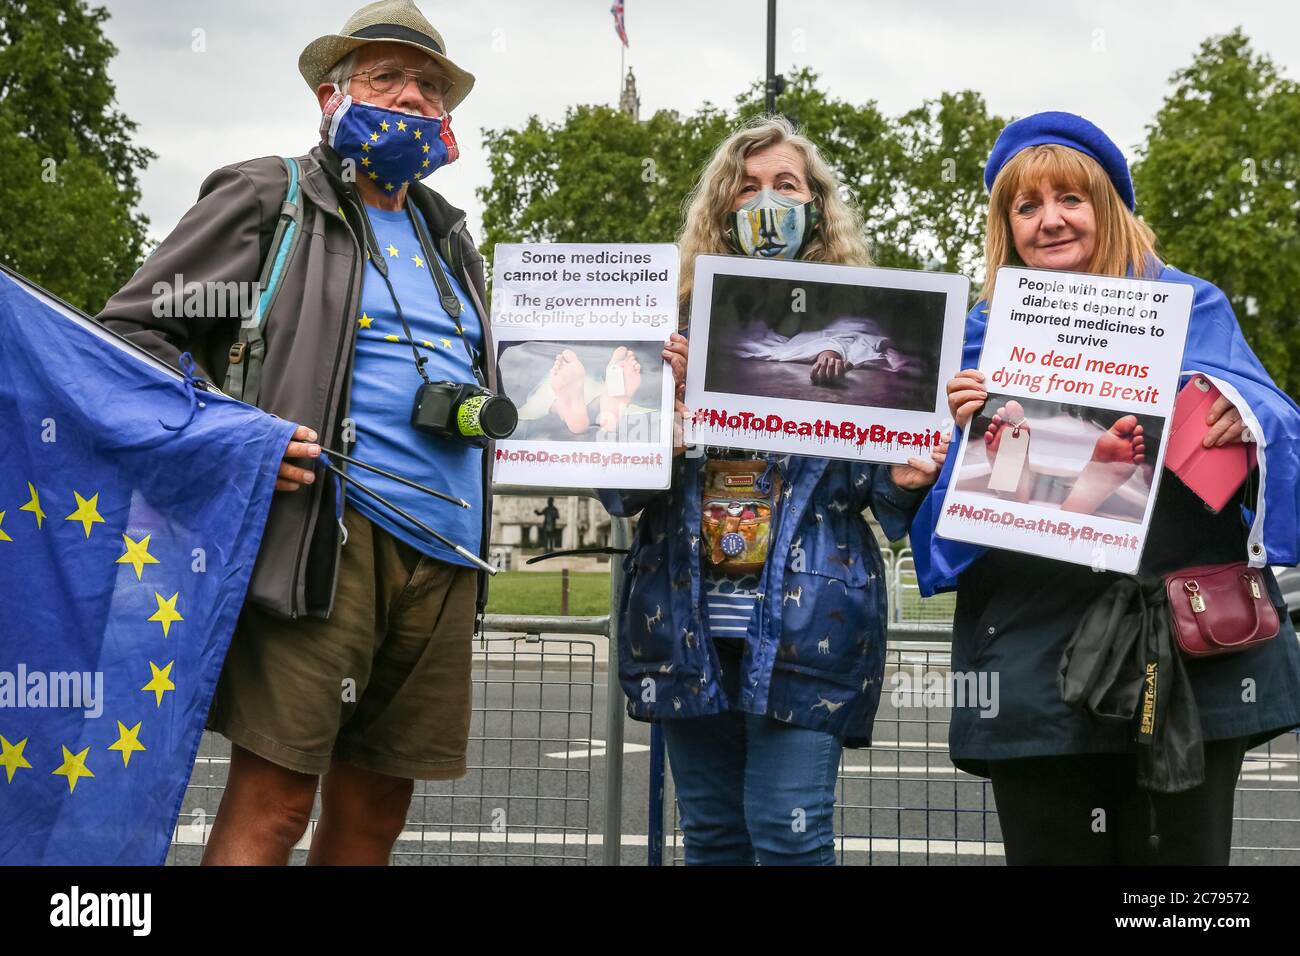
[[824, 360], [580, 330], [1082, 372]]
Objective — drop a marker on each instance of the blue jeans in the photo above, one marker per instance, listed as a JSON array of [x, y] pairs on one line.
[[752, 788]]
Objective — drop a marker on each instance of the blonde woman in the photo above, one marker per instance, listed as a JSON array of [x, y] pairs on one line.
[[1066, 783], [761, 664]]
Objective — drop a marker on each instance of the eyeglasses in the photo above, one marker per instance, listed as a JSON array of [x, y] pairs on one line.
[[388, 78]]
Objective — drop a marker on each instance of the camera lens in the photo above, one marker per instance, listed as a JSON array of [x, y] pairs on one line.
[[498, 417]]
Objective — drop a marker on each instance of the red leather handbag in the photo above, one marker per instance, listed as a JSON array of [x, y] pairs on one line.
[[1220, 609]]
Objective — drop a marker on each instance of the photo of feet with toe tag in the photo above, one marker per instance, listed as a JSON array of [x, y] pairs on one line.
[[584, 391], [580, 330], [1058, 455], [1081, 373]]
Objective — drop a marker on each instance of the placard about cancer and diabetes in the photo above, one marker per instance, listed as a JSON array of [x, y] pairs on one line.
[[580, 330], [1063, 461]]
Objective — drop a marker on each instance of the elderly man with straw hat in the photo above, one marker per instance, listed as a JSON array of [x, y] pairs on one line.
[[350, 666]]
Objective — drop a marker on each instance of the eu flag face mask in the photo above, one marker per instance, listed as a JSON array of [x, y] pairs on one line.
[[773, 226], [391, 148]]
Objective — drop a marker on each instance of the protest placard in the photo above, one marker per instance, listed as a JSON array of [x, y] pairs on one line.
[[818, 359], [580, 330], [1082, 372]]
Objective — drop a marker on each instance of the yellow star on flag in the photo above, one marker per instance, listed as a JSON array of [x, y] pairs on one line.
[[426, 147], [417, 134], [365, 160], [365, 147], [166, 612], [127, 742], [74, 768], [419, 263], [391, 250], [374, 137], [427, 344], [374, 175], [384, 126], [3, 536], [446, 343], [137, 555], [365, 321], [401, 126], [425, 164], [11, 757], [405, 183], [86, 512], [388, 186], [34, 506], [390, 338], [160, 683]]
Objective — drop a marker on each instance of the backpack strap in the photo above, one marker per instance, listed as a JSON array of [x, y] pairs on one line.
[[247, 355]]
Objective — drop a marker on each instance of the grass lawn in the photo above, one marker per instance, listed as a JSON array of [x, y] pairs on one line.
[[907, 598], [916, 608], [538, 592]]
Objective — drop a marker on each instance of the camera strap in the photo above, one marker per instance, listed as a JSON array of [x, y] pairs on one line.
[[450, 301], [451, 304], [377, 260]]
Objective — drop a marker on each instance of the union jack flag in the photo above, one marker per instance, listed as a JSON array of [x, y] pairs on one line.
[[619, 26]]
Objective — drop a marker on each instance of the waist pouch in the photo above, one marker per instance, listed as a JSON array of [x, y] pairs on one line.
[[739, 501]]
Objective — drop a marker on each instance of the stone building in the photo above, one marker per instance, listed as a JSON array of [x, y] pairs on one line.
[[516, 522]]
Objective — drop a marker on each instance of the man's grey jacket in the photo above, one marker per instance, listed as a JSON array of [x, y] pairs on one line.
[[309, 332]]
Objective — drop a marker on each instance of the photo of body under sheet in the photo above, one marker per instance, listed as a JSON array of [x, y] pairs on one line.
[[814, 341]]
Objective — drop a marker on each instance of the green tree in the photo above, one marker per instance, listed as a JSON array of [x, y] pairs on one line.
[[944, 144], [71, 185], [1217, 181], [600, 176]]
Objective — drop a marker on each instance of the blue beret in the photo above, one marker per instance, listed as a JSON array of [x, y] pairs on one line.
[[1064, 129]]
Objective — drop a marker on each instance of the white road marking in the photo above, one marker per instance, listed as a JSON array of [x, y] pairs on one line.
[[190, 835], [939, 771], [597, 749]]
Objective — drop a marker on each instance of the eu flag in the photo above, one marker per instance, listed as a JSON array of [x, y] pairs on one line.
[[131, 510]]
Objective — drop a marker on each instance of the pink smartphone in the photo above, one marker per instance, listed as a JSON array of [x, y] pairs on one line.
[[1214, 474]]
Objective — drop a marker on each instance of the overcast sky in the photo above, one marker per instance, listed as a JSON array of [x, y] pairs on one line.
[[243, 97]]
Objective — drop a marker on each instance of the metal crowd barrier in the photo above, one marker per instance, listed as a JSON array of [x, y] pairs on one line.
[[542, 789], [535, 761], [902, 801]]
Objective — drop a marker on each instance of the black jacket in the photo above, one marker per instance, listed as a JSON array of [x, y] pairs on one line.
[[310, 333], [1017, 612]]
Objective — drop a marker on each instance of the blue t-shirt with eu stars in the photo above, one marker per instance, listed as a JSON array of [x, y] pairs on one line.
[[384, 383]]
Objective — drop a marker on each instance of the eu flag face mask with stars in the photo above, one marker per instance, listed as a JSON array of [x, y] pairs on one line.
[[391, 148]]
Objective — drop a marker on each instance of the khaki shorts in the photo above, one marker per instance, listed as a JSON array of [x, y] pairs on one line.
[[384, 684]]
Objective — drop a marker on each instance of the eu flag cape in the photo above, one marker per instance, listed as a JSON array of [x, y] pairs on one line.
[[1216, 349], [131, 510]]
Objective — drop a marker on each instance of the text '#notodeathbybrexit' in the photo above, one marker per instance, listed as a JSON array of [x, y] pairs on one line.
[[844, 431], [1044, 526], [615, 459]]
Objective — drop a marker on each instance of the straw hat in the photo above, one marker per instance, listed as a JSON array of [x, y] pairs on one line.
[[397, 21]]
